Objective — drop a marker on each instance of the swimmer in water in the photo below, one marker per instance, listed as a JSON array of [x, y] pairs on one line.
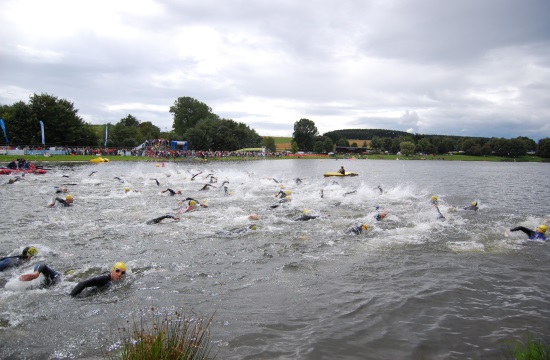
[[472, 206], [539, 234], [206, 187], [117, 273], [435, 201], [358, 229], [68, 201], [14, 261], [51, 277], [172, 192], [381, 213], [161, 218]]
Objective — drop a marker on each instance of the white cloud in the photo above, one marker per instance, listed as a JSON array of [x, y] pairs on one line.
[[467, 68]]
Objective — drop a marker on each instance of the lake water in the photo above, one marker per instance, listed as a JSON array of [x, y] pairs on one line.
[[411, 287]]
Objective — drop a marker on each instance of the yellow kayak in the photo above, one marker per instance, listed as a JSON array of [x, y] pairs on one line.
[[338, 174], [99, 160]]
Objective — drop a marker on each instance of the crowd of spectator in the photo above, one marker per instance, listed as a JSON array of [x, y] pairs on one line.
[[155, 148]]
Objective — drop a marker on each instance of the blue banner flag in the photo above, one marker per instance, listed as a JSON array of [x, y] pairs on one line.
[[106, 133], [42, 129], [3, 126]]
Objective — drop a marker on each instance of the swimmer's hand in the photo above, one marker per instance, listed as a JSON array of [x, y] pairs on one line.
[[28, 277]]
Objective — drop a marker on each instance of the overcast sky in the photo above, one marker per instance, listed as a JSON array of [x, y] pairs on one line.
[[468, 67]]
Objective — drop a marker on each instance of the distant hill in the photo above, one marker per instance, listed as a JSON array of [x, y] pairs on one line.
[[365, 134]]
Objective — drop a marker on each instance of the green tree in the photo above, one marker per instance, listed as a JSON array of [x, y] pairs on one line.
[[187, 113], [213, 133], [328, 144], [407, 148], [304, 134], [147, 131], [543, 149], [377, 144], [294, 147], [21, 125], [269, 143], [62, 125], [509, 147]]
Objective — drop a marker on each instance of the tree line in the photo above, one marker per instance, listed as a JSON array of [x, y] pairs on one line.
[[195, 122]]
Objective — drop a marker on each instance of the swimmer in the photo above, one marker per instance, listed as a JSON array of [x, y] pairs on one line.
[[358, 229], [192, 205], [158, 183], [283, 194], [322, 193], [306, 217], [195, 175], [15, 179], [225, 182], [117, 272], [14, 261], [342, 170], [68, 201], [381, 214], [119, 179], [298, 180], [206, 187], [434, 201], [350, 192], [161, 218], [539, 234], [93, 172], [172, 192], [51, 277], [59, 190], [379, 188], [472, 206], [243, 230]]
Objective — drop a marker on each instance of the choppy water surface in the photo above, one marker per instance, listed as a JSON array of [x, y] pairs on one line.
[[411, 287]]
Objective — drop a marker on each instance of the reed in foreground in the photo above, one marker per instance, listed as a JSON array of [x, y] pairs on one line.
[[165, 337], [529, 349]]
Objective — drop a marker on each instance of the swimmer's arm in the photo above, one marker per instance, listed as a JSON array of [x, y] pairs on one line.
[[529, 232], [95, 281]]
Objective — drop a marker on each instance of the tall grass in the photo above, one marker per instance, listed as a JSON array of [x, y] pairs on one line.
[[165, 337], [529, 349]]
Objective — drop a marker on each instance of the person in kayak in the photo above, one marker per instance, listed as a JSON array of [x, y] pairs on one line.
[[51, 277], [342, 171], [14, 261], [538, 234], [117, 272]]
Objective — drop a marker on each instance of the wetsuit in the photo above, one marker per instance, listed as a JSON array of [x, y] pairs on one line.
[[12, 261], [306, 217], [100, 280], [62, 201], [12, 165], [533, 235], [51, 275], [159, 219], [471, 207], [172, 192], [356, 229]]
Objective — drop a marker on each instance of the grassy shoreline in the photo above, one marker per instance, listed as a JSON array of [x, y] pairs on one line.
[[38, 159]]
